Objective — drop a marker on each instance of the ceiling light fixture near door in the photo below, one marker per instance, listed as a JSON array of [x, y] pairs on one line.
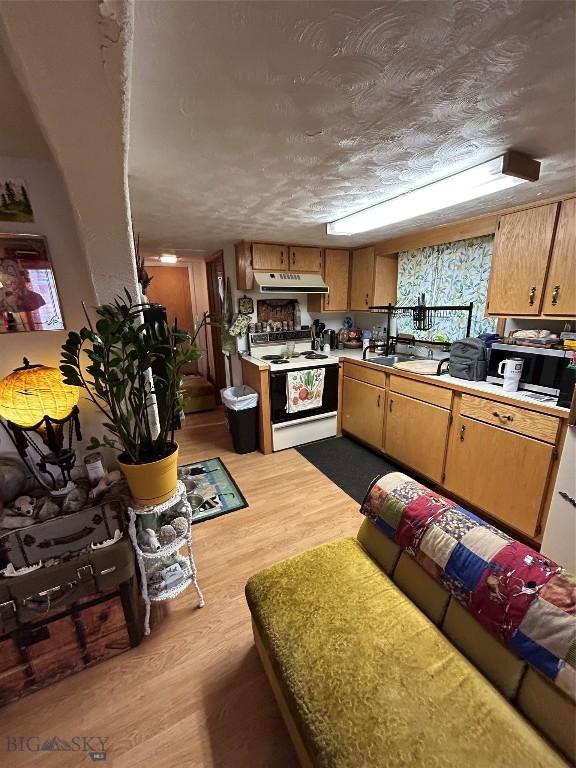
[[498, 174], [169, 258]]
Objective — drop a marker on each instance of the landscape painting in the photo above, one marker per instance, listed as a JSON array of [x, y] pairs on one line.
[[14, 201]]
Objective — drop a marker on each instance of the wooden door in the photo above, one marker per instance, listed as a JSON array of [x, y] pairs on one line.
[[416, 435], [305, 259], [336, 276], [503, 473], [171, 288], [362, 280], [560, 298], [520, 257], [385, 279], [363, 411], [267, 256]]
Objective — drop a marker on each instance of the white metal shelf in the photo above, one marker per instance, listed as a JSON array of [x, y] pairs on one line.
[[149, 594]]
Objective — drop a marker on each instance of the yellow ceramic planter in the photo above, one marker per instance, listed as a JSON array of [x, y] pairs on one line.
[[154, 482]]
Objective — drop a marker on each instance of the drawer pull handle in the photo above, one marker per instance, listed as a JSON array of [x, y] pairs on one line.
[[462, 432], [366, 299], [502, 416], [532, 295], [555, 295]]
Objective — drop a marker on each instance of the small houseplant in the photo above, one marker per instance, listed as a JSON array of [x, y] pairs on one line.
[[130, 364]]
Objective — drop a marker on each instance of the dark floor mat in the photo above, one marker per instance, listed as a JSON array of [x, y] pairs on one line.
[[347, 463]]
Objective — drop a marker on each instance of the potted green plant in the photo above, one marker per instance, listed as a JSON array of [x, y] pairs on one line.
[[120, 379]]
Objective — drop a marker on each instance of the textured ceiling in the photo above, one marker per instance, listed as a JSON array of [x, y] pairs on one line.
[[265, 120]]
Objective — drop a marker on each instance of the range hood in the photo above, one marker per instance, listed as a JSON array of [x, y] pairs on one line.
[[289, 282]]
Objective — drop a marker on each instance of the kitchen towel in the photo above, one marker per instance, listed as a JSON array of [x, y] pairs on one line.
[[304, 389]]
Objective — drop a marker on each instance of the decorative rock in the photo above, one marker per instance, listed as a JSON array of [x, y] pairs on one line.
[[13, 478], [46, 508], [76, 499], [106, 482], [180, 525], [167, 534]]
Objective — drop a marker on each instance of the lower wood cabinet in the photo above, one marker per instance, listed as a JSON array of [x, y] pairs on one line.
[[363, 411], [416, 434], [501, 472]]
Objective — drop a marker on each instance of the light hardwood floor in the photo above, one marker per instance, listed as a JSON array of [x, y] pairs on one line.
[[194, 694]]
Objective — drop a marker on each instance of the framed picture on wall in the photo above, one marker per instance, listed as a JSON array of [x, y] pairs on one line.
[[14, 201], [28, 296]]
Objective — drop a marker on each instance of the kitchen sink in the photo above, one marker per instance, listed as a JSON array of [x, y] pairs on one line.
[[389, 360]]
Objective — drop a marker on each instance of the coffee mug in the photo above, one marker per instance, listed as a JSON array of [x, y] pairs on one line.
[[511, 369]]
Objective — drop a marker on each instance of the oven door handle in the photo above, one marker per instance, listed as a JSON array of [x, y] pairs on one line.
[[277, 374], [318, 417]]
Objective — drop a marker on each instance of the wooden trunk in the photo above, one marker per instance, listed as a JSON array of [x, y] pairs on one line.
[[65, 641]]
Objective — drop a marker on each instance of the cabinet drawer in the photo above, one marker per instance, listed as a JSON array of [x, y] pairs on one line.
[[421, 391], [368, 375], [518, 420]]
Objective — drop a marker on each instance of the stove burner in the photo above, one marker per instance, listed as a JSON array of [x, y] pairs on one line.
[[271, 357], [279, 361], [315, 356]]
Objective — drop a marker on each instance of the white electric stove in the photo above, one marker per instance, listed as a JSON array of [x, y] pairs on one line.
[[290, 429]]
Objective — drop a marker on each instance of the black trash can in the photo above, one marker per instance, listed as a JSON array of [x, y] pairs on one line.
[[241, 404]]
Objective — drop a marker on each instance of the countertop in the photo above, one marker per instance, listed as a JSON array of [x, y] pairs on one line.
[[486, 388]]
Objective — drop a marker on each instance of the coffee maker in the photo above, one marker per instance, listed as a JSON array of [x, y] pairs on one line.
[[329, 337]]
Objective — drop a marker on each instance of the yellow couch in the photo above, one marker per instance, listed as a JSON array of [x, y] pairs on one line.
[[372, 663]]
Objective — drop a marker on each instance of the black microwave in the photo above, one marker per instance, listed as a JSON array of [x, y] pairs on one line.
[[542, 371]]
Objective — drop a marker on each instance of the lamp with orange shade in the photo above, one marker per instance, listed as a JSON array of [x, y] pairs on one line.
[[35, 400]]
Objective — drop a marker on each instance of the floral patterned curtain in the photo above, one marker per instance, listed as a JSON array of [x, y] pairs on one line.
[[451, 273]]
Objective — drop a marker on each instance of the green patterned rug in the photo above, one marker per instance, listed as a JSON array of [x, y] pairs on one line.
[[211, 480]]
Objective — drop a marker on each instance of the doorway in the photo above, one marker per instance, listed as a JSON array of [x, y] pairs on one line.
[[215, 277]]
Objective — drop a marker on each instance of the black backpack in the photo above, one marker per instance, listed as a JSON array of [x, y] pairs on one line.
[[468, 360]]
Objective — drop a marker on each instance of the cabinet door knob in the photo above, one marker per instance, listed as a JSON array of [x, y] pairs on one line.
[[366, 299], [555, 295], [390, 406], [462, 432], [502, 416], [532, 295], [378, 401], [281, 257]]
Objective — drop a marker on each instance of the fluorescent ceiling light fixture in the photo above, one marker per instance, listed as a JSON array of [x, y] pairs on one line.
[[168, 258], [493, 176]]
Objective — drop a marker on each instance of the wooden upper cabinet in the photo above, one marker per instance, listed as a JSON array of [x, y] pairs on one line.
[[304, 259], [266, 256], [336, 276], [385, 280], [560, 294], [520, 257], [362, 279]]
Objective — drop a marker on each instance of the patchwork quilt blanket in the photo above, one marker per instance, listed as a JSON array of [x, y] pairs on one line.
[[521, 597]]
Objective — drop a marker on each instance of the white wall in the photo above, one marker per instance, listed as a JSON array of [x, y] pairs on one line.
[[54, 218], [63, 124], [72, 60]]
